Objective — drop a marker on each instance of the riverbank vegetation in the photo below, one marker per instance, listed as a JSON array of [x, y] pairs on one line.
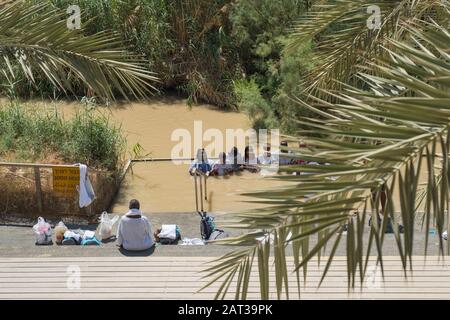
[[32, 133], [223, 52]]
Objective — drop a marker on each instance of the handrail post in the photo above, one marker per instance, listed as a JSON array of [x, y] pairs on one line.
[[37, 179], [196, 194], [201, 193], [206, 188]]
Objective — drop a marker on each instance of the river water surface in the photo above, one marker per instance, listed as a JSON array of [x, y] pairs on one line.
[[166, 186]]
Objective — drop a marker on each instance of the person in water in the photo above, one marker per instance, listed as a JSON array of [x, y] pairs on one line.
[[235, 159], [266, 157], [201, 163], [284, 159], [301, 147], [134, 232], [221, 167], [250, 161]]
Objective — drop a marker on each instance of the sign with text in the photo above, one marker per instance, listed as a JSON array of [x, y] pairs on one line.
[[65, 181]]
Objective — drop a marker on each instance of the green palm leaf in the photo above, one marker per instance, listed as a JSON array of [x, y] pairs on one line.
[[371, 141], [345, 44], [36, 39]]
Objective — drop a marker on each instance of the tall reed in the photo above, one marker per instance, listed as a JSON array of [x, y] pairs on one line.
[[32, 134]]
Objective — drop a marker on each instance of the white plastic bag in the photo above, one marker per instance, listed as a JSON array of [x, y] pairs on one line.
[[43, 232], [106, 225]]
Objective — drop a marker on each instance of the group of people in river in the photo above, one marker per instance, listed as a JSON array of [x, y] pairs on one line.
[[233, 161]]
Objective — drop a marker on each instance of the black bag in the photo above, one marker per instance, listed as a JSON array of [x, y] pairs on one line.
[[168, 241], [389, 227]]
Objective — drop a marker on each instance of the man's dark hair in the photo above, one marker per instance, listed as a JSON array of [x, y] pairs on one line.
[[134, 204]]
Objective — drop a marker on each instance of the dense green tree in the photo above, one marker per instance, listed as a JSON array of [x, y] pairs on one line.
[[261, 31]]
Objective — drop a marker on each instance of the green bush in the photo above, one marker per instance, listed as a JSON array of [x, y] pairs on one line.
[[292, 68], [29, 134], [250, 100]]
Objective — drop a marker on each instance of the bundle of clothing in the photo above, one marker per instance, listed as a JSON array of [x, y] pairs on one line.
[[168, 234], [80, 237]]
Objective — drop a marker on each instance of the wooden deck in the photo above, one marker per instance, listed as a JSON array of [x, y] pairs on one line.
[[180, 278]]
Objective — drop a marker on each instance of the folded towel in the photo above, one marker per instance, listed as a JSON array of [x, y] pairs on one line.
[[88, 234], [70, 234], [85, 190]]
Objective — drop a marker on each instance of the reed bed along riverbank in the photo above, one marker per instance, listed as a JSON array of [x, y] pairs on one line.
[[30, 133]]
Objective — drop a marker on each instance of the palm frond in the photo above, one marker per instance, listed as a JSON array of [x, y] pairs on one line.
[[373, 143], [36, 39], [351, 44]]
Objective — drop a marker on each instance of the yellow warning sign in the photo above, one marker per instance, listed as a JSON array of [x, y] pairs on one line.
[[65, 181]]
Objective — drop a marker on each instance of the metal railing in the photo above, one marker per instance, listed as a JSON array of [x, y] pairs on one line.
[[37, 175]]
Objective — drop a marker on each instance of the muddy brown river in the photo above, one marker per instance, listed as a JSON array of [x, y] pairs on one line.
[[166, 186]]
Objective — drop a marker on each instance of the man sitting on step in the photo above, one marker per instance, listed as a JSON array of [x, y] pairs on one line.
[[134, 232]]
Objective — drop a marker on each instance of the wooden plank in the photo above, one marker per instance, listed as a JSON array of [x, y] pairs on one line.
[[197, 267], [180, 278], [140, 259], [184, 260], [168, 274], [342, 259], [391, 281], [162, 282], [176, 296], [183, 291]]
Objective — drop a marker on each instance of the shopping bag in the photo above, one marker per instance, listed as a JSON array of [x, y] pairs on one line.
[[43, 232], [106, 225]]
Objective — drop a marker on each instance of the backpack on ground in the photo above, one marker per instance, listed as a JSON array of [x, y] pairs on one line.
[[207, 225]]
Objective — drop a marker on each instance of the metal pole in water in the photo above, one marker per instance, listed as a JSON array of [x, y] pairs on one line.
[[196, 196], [206, 190], [201, 194]]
